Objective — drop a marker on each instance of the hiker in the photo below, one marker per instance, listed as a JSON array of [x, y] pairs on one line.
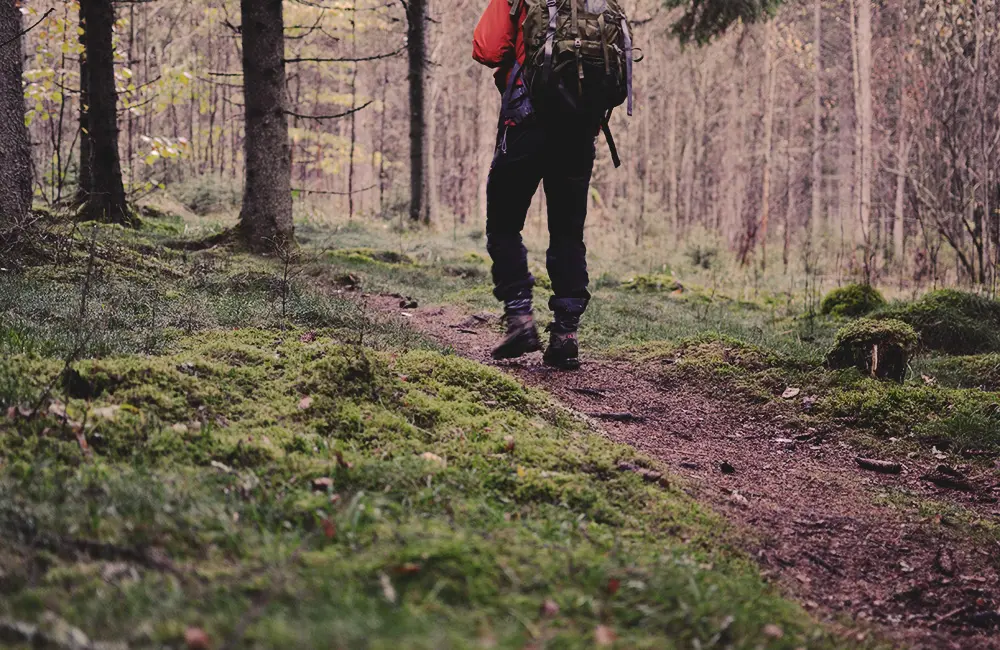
[[555, 99]]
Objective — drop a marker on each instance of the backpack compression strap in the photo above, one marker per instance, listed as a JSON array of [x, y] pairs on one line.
[[606, 128], [550, 37], [628, 63]]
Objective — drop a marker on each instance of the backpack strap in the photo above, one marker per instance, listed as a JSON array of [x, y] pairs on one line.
[[606, 128], [628, 62], [577, 46], [550, 37], [515, 6], [515, 105], [601, 27]]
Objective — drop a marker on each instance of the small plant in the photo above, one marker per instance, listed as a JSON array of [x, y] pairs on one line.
[[880, 348], [852, 301], [701, 256]]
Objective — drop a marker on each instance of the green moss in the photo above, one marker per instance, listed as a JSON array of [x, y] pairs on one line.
[[880, 348], [652, 284], [209, 453], [370, 255], [952, 321], [974, 371], [852, 301]]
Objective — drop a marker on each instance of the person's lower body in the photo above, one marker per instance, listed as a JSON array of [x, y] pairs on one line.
[[561, 157]]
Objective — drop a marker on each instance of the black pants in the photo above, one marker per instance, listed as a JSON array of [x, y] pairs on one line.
[[559, 153]]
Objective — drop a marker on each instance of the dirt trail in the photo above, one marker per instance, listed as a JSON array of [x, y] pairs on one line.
[[810, 514]]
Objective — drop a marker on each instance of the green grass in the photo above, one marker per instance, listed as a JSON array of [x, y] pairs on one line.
[[315, 477]]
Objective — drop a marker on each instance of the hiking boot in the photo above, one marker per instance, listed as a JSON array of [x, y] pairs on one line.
[[563, 351], [522, 338]]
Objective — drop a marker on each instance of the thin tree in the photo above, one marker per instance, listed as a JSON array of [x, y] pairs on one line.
[[416, 50], [106, 199], [84, 182], [266, 215], [15, 154]]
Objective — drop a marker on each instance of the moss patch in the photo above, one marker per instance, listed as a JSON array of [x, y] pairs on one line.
[[373, 497], [880, 348], [852, 301], [955, 322]]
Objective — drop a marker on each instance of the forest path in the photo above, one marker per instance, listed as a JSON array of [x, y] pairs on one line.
[[808, 514]]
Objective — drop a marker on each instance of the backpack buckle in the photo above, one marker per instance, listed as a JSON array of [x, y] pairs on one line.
[[577, 43]]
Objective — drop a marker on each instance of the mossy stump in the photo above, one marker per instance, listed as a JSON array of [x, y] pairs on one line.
[[852, 301], [879, 348]]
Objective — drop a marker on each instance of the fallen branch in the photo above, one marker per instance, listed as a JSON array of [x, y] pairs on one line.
[[589, 392], [617, 417], [882, 466], [949, 482]]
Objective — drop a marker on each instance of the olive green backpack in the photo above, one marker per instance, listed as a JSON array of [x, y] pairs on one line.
[[578, 57]]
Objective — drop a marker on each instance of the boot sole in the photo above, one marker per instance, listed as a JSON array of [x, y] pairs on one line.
[[516, 354], [563, 364]]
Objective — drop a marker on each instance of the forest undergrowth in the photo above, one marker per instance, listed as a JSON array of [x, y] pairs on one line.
[[210, 449]]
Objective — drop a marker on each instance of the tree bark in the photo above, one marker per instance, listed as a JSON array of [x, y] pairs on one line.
[[15, 154], [106, 201], [416, 50], [266, 214]]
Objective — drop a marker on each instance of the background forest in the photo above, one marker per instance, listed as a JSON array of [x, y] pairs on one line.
[[844, 138]]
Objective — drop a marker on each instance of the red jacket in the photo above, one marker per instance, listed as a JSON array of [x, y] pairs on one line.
[[498, 41]]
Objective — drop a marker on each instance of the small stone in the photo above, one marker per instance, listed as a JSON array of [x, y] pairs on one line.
[[773, 631]]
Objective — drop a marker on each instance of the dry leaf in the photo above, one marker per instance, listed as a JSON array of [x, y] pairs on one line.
[[614, 584], [343, 463], [305, 402], [387, 589], [791, 392], [408, 569], [329, 529], [509, 443], [739, 499], [434, 458], [773, 631], [604, 635], [322, 484], [197, 639], [221, 466]]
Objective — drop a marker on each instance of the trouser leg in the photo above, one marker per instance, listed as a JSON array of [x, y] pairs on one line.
[[512, 182], [567, 188]]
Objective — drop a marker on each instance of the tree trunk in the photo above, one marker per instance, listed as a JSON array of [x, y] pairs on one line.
[[864, 110], [902, 163], [266, 214], [768, 88], [416, 50], [15, 154], [817, 134], [106, 201], [84, 182]]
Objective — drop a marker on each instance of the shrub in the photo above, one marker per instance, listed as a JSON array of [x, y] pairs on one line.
[[880, 348], [852, 301], [955, 322]]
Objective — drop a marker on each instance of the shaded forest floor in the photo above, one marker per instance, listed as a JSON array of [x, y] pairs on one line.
[[223, 451]]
